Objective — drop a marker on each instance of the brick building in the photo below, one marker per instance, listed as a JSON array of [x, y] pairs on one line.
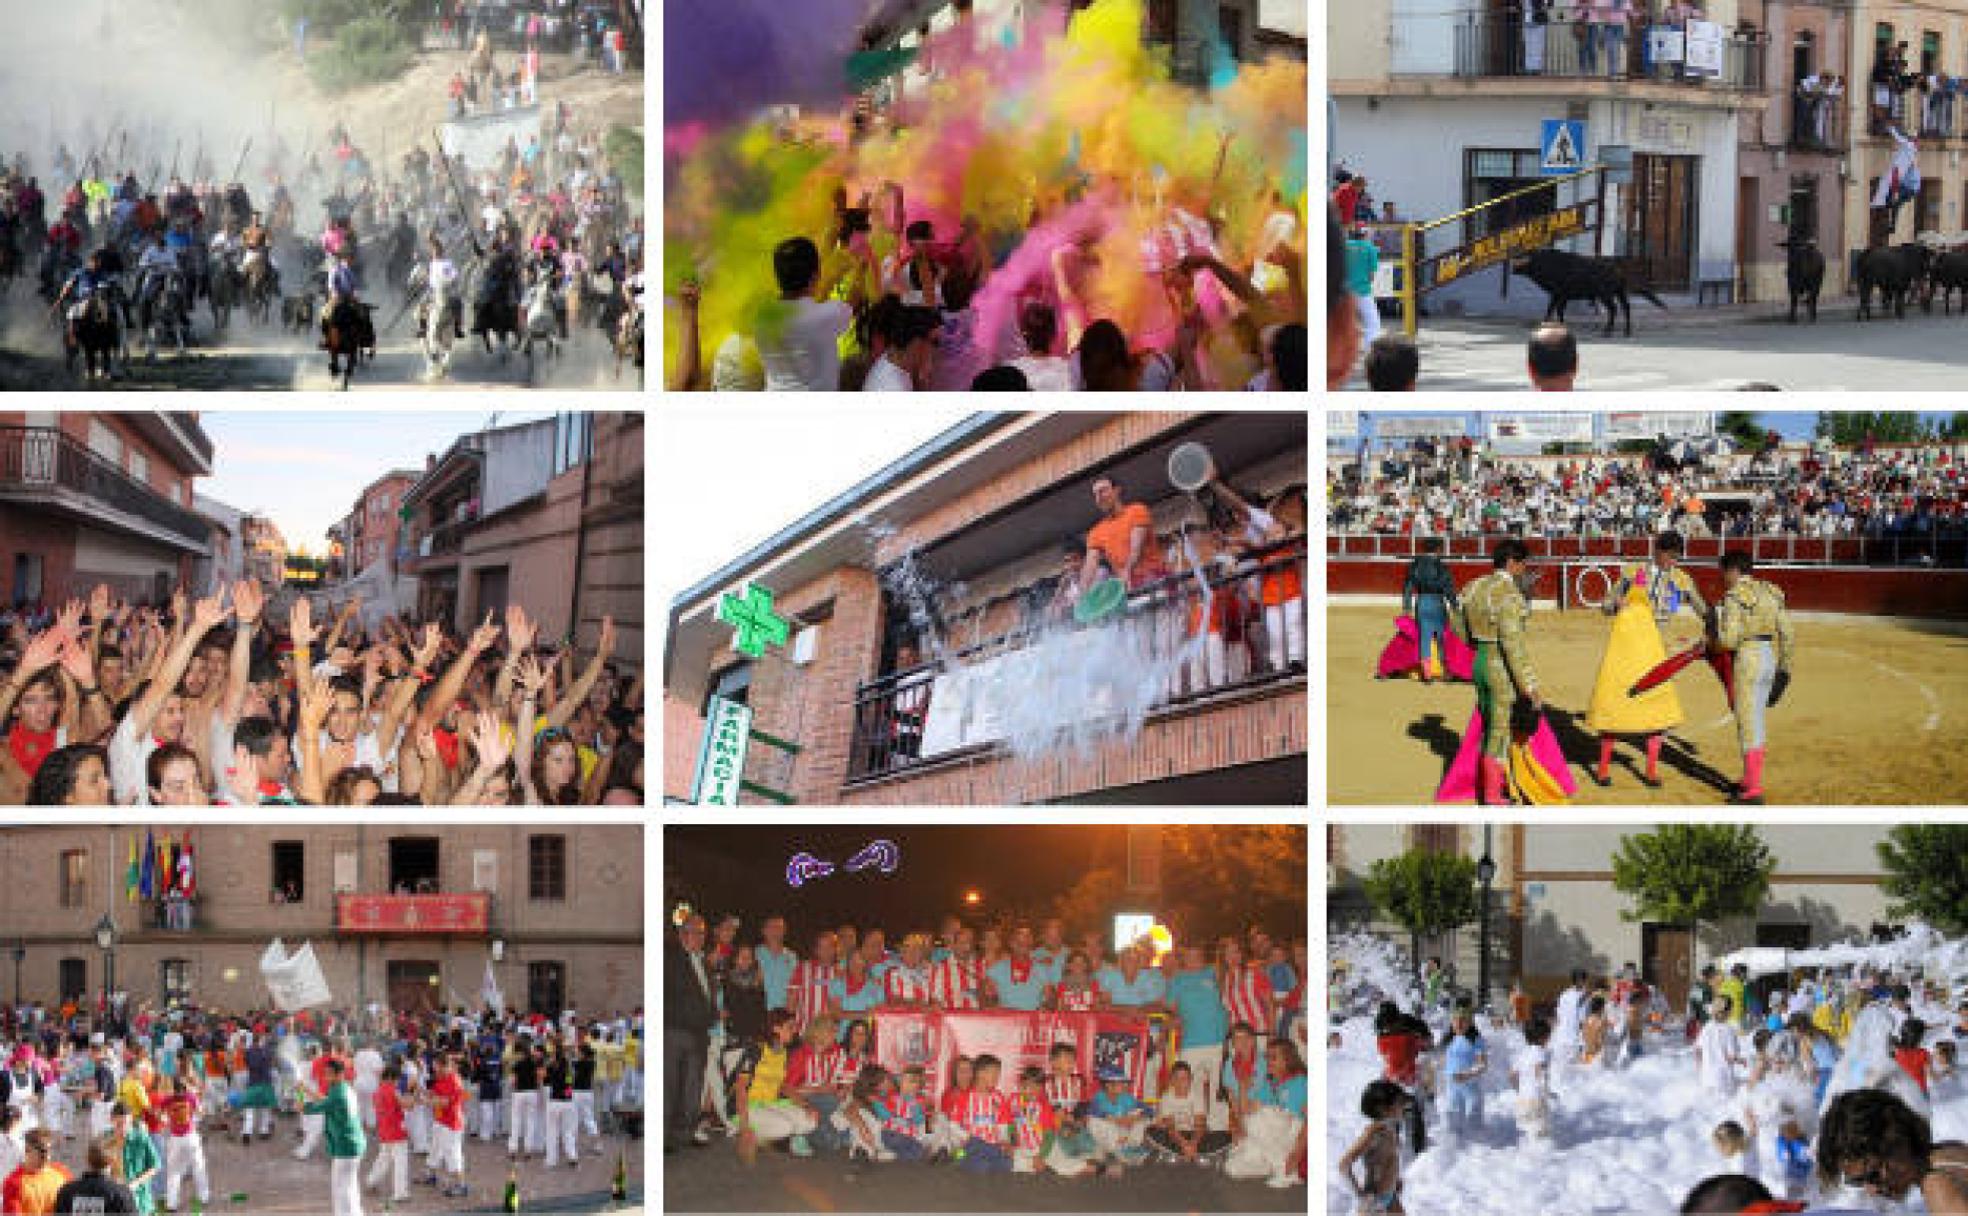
[[89, 497], [981, 512], [372, 525], [558, 909], [545, 514]]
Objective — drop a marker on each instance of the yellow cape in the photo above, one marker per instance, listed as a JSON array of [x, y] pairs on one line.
[[1632, 650]]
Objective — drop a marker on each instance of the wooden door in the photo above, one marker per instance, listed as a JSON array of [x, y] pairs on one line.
[[1667, 954], [1748, 216], [1660, 220]]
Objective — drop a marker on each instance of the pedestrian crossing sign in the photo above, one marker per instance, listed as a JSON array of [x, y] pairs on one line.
[[1562, 146]]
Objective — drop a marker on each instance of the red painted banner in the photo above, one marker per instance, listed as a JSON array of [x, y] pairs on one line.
[[444, 915], [932, 1039]]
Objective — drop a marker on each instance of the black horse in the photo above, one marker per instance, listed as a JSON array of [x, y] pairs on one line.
[[95, 331], [1572, 276], [348, 334]]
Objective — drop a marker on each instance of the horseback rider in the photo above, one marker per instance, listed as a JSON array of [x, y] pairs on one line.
[[159, 262], [238, 204], [76, 293], [441, 279], [344, 310]]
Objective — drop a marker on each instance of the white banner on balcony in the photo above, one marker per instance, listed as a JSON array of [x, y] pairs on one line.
[[1635, 424], [1066, 691], [1419, 426], [1704, 49], [294, 981], [1539, 428], [1666, 44]]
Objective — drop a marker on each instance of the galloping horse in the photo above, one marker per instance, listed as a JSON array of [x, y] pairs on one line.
[[95, 333], [348, 333], [228, 289], [165, 308], [496, 308], [437, 325]]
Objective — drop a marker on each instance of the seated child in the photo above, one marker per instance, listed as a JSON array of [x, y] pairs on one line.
[[904, 1125], [1181, 1127], [1035, 1124], [1065, 1089], [860, 1117], [1118, 1121], [985, 1117], [946, 1129]]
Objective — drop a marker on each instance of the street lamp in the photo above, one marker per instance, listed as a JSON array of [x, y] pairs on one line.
[[1486, 872], [106, 942], [973, 898]]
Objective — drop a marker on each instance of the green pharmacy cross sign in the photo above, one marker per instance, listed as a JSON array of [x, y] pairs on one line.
[[754, 623]]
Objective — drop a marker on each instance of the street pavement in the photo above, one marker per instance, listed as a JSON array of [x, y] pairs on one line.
[[265, 1178], [1719, 349], [712, 1180]]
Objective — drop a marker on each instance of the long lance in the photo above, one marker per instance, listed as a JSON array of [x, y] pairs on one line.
[[177, 150], [122, 146], [241, 165], [459, 194]]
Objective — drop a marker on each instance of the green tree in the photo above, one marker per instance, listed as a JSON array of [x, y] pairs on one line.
[[1954, 427], [1742, 426], [1850, 427], [1691, 873], [1092, 901], [1224, 880], [1426, 892], [1925, 873]]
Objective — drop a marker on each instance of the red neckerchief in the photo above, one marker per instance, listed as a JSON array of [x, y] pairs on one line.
[[270, 789], [854, 988], [1020, 975], [30, 747], [1244, 1066], [447, 746]]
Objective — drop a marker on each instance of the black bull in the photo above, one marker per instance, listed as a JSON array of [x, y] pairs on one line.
[[1804, 272], [1571, 276], [1895, 272]]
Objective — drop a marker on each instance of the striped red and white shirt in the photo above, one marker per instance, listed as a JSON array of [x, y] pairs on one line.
[[1247, 997], [955, 983], [984, 1115], [838, 1067], [1065, 1090], [806, 992], [1078, 1000], [905, 985], [1032, 1119]]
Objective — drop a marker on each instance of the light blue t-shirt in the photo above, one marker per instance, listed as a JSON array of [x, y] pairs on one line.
[[1028, 995], [1054, 961], [1199, 1005], [1289, 1093], [1462, 1055], [777, 972], [1103, 1107], [869, 997], [1146, 989]]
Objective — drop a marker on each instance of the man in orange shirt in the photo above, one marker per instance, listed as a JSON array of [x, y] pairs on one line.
[[31, 1189], [1124, 538]]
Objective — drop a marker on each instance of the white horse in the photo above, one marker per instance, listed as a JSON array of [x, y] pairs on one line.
[[437, 325], [542, 316]]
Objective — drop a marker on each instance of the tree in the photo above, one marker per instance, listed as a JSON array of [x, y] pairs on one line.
[[1426, 892], [1688, 873], [1742, 426], [1092, 901], [1849, 428], [1225, 880], [1954, 427], [1925, 875]]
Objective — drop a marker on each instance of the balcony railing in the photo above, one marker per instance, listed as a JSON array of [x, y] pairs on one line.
[[890, 713], [175, 914], [1510, 46], [1817, 122], [1904, 550], [43, 459]]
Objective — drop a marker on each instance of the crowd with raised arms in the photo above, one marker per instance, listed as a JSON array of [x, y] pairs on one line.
[[210, 701], [767, 1046], [112, 1104]]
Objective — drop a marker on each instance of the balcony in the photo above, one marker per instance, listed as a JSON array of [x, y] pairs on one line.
[[894, 724], [42, 467], [173, 914], [1507, 47], [1817, 123]]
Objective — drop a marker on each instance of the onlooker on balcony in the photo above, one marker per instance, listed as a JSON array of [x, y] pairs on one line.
[[909, 711], [1890, 81], [1124, 537], [1605, 36]]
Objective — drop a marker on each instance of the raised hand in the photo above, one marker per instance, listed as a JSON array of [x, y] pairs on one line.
[[208, 612], [248, 601], [75, 661], [178, 605], [426, 742], [483, 638], [520, 631], [42, 651], [315, 704], [530, 676], [606, 646], [69, 619], [426, 650], [99, 605], [489, 741], [300, 623]]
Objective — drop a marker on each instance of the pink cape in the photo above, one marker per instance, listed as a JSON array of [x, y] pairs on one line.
[[1403, 652], [1459, 785]]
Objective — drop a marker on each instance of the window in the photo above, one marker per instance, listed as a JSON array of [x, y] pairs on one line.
[[1491, 173], [75, 878], [546, 867], [1930, 53], [546, 988], [174, 980], [28, 568], [1436, 837], [289, 872], [413, 865], [573, 433], [74, 978], [1802, 57], [140, 466], [105, 442]]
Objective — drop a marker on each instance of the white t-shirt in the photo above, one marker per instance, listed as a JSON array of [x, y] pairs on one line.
[[1047, 373], [886, 377], [128, 758], [368, 1069], [1533, 1071], [1185, 1111], [1717, 1045], [367, 752], [806, 356]]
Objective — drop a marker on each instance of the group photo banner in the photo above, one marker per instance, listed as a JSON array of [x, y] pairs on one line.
[[932, 1038]]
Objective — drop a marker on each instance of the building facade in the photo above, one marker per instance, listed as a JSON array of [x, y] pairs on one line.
[[1443, 107], [403, 915], [226, 563], [88, 498], [547, 515], [1794, 166], [1554, 908], [373, 523], [954, 551]]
